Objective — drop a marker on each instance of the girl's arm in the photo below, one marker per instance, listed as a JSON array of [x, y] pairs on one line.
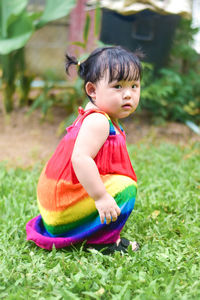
[[91, 137]]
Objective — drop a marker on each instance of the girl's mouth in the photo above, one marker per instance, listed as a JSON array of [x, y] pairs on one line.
[[127, 106]]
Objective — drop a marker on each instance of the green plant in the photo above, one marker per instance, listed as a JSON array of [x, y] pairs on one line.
[[45, 100], [74, 94], [87, 27], [16, 27], [174, 94], [73, 97]]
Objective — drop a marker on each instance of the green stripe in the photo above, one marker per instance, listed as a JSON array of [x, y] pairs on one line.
[[112, 127], [120, 198], [127, 193], [59, 229]]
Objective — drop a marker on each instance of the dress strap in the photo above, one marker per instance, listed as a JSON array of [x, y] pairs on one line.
[[84, 113], [119, 127], [92, 110]]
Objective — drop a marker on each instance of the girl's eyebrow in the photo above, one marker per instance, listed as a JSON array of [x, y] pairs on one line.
[[125, 81]]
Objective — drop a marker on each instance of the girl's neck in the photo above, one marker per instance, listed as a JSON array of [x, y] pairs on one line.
[[90, 105]]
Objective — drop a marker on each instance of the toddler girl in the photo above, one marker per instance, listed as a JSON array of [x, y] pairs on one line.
[[87, 189]]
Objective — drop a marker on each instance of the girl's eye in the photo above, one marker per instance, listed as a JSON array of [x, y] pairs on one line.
[[134, 86], [117, 86]]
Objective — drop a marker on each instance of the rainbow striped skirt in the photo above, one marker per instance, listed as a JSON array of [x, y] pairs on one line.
[[68, 215]]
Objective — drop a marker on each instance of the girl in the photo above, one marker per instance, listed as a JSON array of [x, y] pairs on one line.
[[87, 190]]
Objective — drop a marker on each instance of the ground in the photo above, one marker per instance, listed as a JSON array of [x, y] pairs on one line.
[[165, 220], [25, 140]]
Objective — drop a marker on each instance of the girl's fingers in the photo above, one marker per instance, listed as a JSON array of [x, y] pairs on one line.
[[114, 216], [118, 210], [111, 214], [108, 218], [102, 217]]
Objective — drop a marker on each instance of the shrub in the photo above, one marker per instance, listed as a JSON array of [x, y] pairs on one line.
[[174, 92]]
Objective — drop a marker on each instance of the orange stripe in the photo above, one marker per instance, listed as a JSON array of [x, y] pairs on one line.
[[55, 196], [86, 206]]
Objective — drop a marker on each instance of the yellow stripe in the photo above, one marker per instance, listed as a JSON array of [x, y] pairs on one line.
[[117, 183], [85, 207], [73, 213]]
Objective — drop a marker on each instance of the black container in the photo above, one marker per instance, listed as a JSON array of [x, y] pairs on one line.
[[147, 30]]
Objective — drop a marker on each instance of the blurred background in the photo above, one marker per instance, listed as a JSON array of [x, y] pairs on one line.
[[38, 101]]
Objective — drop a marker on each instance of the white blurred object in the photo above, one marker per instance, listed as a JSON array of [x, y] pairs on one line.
[[196, 23], [126, 7], [193, 126]]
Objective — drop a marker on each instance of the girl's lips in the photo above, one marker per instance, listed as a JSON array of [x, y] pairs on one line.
[[127, 106]]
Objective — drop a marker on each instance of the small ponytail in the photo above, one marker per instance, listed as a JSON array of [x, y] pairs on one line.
[[70, 60]]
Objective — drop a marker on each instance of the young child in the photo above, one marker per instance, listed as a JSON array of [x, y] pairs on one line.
[[87, 189]]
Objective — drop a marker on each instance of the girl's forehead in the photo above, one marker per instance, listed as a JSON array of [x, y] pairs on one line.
[[113, 79], [119, 72]]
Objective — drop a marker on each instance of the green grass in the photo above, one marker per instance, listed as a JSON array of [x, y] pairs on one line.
[[166, 222]]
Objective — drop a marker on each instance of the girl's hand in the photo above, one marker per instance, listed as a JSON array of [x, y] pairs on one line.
[[107, 208]]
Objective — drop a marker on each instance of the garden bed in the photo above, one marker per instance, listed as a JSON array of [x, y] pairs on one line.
[[28, 139]]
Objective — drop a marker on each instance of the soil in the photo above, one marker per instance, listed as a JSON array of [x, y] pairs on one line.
[[26, 140]]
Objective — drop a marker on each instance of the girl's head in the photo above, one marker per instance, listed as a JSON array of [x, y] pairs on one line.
[[115, 62], [104, 68]]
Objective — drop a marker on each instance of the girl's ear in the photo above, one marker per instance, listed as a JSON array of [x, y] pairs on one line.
[[90, 89]]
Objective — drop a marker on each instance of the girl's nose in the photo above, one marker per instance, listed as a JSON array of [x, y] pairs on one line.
[[127, 94]]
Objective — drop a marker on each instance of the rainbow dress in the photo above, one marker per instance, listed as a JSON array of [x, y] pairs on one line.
[[67, 213]]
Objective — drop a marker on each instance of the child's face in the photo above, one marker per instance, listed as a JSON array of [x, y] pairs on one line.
[[117, 99]]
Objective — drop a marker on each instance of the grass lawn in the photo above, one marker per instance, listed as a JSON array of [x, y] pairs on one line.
[[166, 222]]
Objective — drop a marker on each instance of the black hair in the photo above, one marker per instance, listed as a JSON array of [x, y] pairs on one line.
[[121, 64]]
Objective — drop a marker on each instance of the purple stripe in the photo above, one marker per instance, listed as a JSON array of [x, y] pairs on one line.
[[95, 233], [100, 234]]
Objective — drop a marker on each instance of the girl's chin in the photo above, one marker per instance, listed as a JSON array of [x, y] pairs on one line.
[[125, 114], [121, 115]]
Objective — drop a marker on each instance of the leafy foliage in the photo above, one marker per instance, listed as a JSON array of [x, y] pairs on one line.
[[16, 27], [171, 94], [17, 24], [74, 94], [165, 222], [174, 94]]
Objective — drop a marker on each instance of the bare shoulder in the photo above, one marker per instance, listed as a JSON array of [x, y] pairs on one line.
[[97, 123], [93, 133]]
